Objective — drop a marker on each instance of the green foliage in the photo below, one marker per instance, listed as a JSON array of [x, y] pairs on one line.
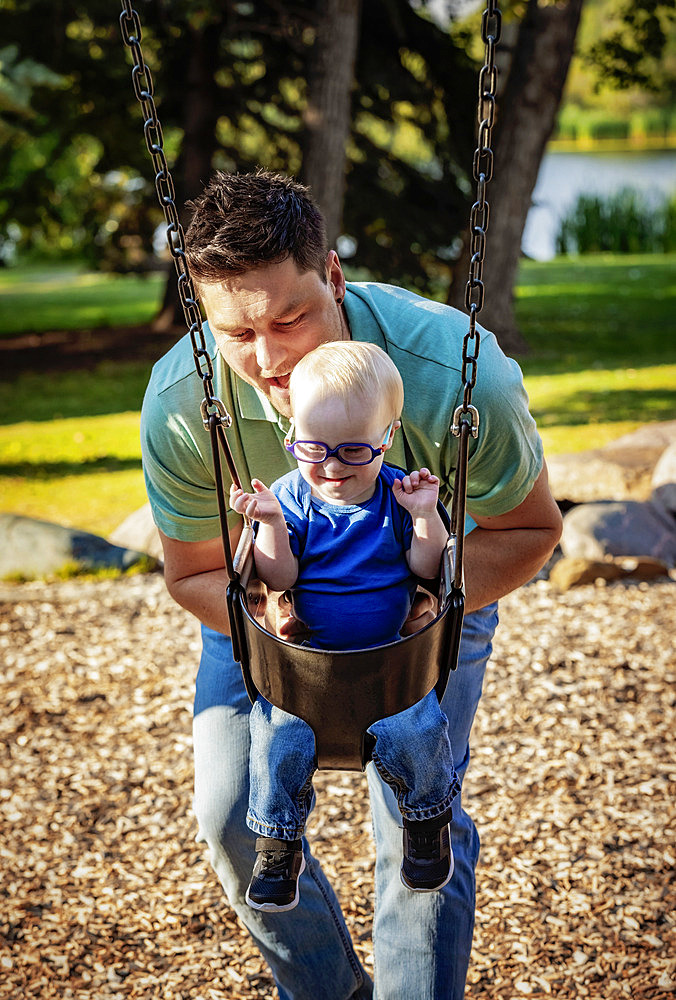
[[630, 54], [623, 72], [624, 222], [81, 163]]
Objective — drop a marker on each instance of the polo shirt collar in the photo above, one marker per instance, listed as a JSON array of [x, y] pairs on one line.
[[253, 405]]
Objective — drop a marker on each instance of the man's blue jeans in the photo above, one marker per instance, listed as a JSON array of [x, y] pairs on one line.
[[412, 754], [422, 941]]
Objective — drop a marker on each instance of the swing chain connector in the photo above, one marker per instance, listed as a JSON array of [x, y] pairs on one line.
[[224, 417], [466, 411]]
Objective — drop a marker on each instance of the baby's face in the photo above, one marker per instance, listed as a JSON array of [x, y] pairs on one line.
[[330, 422]]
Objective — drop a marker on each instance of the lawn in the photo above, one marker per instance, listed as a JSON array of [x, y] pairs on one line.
[[36, 299], [602, 363]]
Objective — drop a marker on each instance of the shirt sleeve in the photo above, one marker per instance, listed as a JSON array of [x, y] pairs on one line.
[[179, 483]]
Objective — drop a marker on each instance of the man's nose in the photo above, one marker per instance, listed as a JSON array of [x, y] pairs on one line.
[[270, 355]]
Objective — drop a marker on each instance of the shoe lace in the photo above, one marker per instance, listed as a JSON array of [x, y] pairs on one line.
[[275, 863], [425, 845]]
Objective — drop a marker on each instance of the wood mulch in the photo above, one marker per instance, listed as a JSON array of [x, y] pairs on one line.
[[106, 894]]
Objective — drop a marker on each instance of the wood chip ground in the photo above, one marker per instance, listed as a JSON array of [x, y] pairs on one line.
[[106, 894]]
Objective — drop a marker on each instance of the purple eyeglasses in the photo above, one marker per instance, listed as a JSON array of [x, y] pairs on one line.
[[349, 453]]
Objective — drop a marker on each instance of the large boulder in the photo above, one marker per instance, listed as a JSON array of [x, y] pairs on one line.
[[138, 531], [30, 549], [622, 470], [619, 528]]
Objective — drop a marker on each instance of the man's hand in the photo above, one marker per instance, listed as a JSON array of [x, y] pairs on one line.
[[262, 506]]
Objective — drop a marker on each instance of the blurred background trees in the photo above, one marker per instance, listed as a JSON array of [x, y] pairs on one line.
[[372, 104]]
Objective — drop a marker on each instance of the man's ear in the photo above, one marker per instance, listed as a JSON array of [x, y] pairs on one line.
[[335, 276]]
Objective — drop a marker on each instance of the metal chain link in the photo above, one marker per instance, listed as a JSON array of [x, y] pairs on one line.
[[142, 82], [482, 168]]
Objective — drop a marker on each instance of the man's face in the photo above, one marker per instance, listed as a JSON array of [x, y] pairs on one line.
[[265, 320]]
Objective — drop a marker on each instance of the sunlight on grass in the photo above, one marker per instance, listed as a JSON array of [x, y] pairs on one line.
[[581, 437], [76, 440], [95, 502], [601, 396], [84, 473], [68, 299]]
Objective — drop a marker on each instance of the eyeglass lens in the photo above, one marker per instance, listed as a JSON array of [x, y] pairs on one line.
[[310, 451]]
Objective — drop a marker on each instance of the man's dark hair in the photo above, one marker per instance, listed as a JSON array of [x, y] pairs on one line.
[[244, 221]]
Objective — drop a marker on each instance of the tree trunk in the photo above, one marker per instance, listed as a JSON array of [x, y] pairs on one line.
[[526, 118], [199, 142], [327, 115]]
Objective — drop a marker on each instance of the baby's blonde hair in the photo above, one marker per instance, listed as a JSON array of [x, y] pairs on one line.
[[345, 368]]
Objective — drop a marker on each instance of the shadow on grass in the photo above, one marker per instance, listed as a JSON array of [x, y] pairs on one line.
[[44, 470], [585, 407]]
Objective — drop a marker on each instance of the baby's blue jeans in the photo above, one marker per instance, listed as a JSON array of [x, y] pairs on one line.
[[412, 754]]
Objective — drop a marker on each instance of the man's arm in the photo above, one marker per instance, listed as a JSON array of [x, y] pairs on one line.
[[196, 577], [504, 552]]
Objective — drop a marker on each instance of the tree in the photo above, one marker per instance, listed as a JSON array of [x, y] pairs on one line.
[[528, 107], [326, 116]]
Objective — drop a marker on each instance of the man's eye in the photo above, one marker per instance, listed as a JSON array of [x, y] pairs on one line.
[[290, 322]]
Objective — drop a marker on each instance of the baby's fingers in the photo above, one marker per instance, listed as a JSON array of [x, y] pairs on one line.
[[239, 500], [252, 509]]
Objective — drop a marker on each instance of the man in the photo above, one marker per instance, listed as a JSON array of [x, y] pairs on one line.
[[272, 291]]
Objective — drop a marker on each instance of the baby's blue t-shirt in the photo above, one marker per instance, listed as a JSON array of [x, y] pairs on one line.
[[354, 587]]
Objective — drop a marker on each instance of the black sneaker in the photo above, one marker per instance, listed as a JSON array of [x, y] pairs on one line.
[[274, 883], [428, 858]]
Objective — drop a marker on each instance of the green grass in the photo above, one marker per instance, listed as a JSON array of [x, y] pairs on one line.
[[602, 363], [81, 471], [37, 299], [602, 335]]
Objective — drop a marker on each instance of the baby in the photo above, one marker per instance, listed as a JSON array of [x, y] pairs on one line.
[[347, 535]]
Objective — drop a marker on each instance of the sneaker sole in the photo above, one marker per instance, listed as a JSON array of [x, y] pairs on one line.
[[273, 907], [434, 888]]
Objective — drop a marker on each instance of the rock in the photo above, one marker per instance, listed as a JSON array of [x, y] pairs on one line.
[[139, 532], [574, 572], [30, 548], [619, 528], [644, 568], [622, 470], [664, 481]]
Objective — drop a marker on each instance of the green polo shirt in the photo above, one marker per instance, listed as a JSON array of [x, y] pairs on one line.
[[423, 338]]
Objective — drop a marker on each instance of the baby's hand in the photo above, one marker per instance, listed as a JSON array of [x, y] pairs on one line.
[[262, 506], [417, 493]]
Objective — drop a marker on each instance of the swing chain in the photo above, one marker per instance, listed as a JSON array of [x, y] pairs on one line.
[[482, 169], [130, 26]]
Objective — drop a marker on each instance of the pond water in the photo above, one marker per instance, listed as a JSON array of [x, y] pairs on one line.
[[563, 176]]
